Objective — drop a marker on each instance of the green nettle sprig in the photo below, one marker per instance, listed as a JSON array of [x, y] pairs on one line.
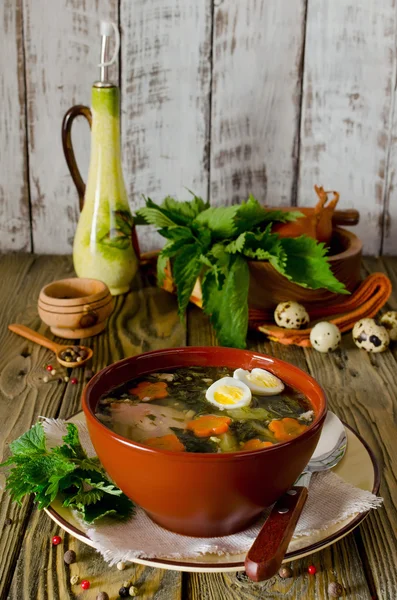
[[214, 245], [65, 470]]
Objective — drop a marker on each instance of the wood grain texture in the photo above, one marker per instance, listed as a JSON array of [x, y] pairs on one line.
[[14, 191], [361, 388], [166, 76], [23, 395], [62, 45], [389, 241], [145, 319], [349, 70], [256, 86]]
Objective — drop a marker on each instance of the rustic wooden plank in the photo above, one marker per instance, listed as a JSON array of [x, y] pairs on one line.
[[166, 54], [146, 319], [42, 574], [62, 45], [256, 92], [350, 64], [340, 562], [389, 237], [23, 395], [362, 390], [14, 191]]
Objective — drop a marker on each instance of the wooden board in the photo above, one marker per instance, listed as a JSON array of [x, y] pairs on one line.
[[62, 47], [14, 192], [256, 90], [389, 241], [166, 53], [361, 389], [349, 68]]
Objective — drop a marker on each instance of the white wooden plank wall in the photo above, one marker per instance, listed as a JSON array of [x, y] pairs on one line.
[[257, 60], [349, 77], [166, 74], [62, 51], [14, 198], [225, 97]]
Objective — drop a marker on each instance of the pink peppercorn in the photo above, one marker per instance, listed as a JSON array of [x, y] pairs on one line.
[[312, 570], [56, 540], [85, 584], [73, 380]]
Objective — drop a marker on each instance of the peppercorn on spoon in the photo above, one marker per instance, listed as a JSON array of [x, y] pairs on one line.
[[58, 349]]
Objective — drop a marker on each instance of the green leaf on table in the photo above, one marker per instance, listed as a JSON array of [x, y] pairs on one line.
[[117, 507], [307, 265], [30, 443], [228, 306], [186, 268]]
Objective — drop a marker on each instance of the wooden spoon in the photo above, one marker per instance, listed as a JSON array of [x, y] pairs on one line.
[[32, 335]]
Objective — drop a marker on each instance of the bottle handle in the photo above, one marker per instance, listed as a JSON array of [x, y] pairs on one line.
[[82, 111], [76, 111]]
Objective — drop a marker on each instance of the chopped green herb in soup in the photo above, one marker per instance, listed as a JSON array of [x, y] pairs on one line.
[[206, 409]]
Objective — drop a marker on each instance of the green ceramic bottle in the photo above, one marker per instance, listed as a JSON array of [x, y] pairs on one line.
[[103, 244]]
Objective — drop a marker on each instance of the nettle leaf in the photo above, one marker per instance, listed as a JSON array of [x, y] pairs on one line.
[[220, 221], [30, 443], [186, 268], [307, 265], [118, 507], [162, 261], [228, 307], [72, 439], [153, 214], [184, 212]]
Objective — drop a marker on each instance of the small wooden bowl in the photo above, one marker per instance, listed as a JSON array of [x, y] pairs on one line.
[[268, 287], [75, 308]]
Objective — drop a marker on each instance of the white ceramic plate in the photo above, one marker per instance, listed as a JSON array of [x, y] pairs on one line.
[[358, 467]]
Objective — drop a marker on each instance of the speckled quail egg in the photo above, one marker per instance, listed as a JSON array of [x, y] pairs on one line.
[[260, 381], [291, 315], [389, 320], [229, 393], [325, 337], [369, 336]]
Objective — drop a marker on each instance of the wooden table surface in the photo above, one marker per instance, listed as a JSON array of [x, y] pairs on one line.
[[361, 388]]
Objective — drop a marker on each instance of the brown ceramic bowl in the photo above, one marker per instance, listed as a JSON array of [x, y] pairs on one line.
[[268, 287], [75, 308], [202, 494]]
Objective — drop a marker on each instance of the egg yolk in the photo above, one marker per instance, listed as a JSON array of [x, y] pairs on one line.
[[227, 395], [266, 381]]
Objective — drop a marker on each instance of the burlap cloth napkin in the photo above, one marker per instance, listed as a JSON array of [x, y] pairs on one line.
[[330, 500]]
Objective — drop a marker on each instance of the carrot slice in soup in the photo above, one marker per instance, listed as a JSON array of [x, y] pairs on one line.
[[148, 390], [208, 425], [255, 444], [166, 442], [286, 429]]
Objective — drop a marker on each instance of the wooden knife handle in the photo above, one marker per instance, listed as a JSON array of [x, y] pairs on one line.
[[345, 217], [266, 554]]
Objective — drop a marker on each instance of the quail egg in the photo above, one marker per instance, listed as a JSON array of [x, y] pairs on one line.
[[260, 381], [229, 393], [389, 320], [369, 336], [325, 337], [291, 315]]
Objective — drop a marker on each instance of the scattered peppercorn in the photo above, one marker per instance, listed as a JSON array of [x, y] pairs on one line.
[[126, 583], [74, 579], [53, 372], [49, 368], [285, 572], [66, 379], [133, 591], [69, 557], [59, 380], [124, 592], [102, 596], [8, 521], [121, 566], [335, 589], [89, 373], [73, 354], [73, 380], [56, 540], [45, 379], [312, 570], [85, 584]]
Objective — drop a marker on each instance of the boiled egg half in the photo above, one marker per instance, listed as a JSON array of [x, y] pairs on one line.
[[259, 381], [228, 393]]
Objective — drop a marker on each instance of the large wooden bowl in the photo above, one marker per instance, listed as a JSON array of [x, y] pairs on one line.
[[268, 287]]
